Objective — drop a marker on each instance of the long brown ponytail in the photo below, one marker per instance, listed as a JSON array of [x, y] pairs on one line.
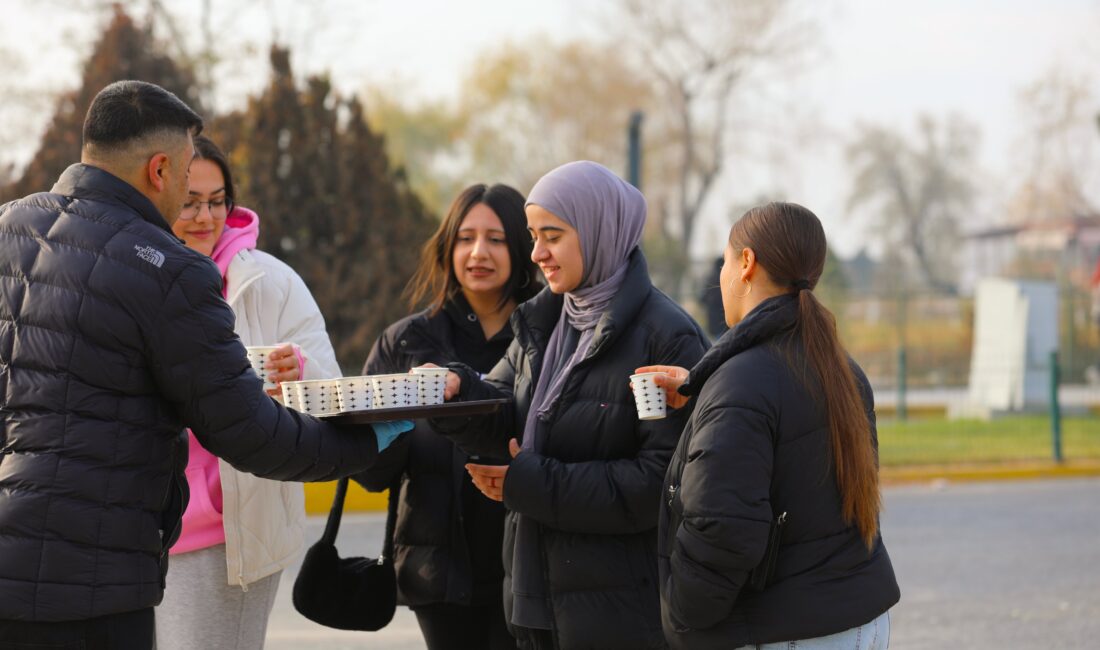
[[790, 245]]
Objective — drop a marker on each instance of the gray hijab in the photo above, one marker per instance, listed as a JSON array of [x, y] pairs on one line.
[[608, 214]]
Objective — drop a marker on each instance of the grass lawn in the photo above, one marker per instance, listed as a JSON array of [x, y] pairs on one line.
[[935, 441]]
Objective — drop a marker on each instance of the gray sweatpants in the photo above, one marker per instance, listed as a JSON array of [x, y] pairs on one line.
[[200, 611]]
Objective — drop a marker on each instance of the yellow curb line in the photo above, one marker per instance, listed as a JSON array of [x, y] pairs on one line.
[[968, 473], [319, 498], [319, 495]]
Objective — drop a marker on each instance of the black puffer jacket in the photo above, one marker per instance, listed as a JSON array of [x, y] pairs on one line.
[[595, 489], [757, 445], [113, 338], [447, 535]]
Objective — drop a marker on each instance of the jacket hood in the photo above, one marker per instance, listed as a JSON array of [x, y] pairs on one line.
[[242, 231], [769, 319]]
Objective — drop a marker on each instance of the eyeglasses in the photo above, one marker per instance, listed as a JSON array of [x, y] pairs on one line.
[[219, 208]]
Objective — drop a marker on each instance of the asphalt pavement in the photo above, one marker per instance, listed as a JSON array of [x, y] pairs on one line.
[[982, 566]]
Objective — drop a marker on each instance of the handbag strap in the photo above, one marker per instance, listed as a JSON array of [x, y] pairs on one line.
[[332, 526], [391, 521]]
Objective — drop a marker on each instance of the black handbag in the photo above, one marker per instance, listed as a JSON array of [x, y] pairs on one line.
[[354, 593]]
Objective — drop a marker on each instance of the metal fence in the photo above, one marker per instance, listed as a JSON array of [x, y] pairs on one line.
[[917, 350]]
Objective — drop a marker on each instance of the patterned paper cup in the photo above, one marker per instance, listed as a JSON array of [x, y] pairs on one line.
[[430, 384], [392, 391], [292, 395], [257, 357], [649, 397], [354, 394], [319, 396]]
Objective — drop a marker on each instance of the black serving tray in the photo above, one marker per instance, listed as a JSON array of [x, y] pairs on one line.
[[445, 410]]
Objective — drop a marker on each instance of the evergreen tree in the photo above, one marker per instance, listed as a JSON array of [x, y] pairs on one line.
[[125, 51], [329, 203]]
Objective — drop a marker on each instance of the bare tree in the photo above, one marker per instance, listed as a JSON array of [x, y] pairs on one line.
[[701, 53], [918, 190], [527, 110], [1060, 147]]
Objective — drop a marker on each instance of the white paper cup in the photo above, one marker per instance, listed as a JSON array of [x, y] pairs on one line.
[[648, 396], [257, 356], [393, 391], [319, 396], [292, 395], [431, 383], [354, 393]]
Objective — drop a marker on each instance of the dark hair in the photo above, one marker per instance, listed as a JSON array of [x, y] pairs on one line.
[[127, 110], [790, 245], [435, 279], [205, 149]]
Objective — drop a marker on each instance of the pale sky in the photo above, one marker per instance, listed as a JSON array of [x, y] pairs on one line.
[[883, 61]]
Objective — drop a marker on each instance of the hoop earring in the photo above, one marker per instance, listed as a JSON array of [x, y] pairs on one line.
[[526, 280], [748, 289]]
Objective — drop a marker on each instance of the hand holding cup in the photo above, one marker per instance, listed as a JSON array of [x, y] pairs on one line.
[[454, 382], [670, 381], [283, 363]]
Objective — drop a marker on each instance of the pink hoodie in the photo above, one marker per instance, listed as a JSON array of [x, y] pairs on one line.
[[202, 521]]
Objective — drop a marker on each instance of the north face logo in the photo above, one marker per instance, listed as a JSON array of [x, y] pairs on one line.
[[150, 254]]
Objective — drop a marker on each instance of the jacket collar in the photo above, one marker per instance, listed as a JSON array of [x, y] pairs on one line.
[[86, 181], [767, 321], [242, 271], [539, 315]]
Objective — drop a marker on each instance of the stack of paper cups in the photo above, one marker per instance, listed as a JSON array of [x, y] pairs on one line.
[[354, 394], [430, 384], [393, 391], [319, 396], [292, 395]]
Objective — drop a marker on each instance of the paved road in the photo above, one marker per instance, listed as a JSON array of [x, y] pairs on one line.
[[981, 566]]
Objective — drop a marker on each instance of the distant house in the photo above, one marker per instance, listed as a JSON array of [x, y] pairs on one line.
[[1064, 249]]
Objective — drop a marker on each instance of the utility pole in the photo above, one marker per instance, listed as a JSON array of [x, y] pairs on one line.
[[634, 149]]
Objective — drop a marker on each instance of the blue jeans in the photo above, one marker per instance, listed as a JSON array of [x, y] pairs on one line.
[[870, 636]]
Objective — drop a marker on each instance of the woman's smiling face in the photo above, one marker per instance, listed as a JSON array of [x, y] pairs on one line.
[[206, 194], [557, 249]]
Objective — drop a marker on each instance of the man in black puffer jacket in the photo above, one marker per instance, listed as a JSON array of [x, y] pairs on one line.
[[113, 338]]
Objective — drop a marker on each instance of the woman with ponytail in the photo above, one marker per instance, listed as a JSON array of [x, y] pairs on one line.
[[768, 528]]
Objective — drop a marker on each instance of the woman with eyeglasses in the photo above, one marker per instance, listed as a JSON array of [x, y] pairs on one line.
[[239, 531]]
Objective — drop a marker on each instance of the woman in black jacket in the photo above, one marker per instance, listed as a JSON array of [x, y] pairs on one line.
[[474, 271], [580, 538], [783, 430]]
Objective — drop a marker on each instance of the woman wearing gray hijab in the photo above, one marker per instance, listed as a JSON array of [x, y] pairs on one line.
[[584, 484]]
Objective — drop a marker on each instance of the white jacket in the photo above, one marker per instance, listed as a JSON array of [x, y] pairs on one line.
[[264, 519]]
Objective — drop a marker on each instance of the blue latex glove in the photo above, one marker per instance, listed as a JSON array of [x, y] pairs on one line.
[[387, 432]]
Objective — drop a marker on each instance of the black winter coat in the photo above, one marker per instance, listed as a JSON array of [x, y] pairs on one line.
[[757, 444], [113, 338], [447, 536], [595, 488]]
